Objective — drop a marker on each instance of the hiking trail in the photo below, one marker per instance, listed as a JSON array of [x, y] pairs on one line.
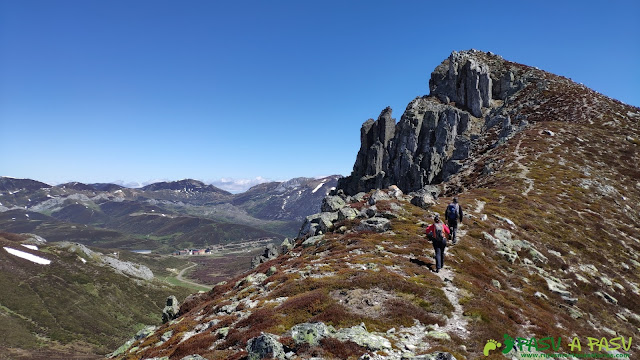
[[524, 170], [456, 324]]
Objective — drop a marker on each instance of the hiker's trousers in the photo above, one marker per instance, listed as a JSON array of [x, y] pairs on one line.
[[453, 226], [439, 249]]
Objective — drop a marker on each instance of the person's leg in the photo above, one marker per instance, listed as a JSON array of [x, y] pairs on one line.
[[453, 226], [439, 254]]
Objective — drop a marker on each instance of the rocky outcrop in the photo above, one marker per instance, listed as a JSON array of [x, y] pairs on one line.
[[438, 133], [466, 81], [265, 346], [171, 310], [122, 267], [270, 252]]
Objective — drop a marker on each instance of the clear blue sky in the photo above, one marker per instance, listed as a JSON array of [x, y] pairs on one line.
[[97, 91]]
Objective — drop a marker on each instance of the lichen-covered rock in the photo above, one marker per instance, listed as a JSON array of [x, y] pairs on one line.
[[313, 241], [423, 200], [265, 346], [142, 334], [321, 222], [310, 333], [193, 357], [332, 203], [270, 252], [359, 335], [171, 309], [434, 356], [347, 213], [287, 244], [374, 224], [377, 196]]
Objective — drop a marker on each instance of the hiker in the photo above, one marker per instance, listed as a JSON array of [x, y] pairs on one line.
[[452, 214], [436, 233]]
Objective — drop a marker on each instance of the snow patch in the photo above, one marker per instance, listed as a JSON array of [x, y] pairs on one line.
[[27, 256], [32, 247], [317, 187]]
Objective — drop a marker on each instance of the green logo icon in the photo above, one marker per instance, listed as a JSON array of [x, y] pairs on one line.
[[489, 346]]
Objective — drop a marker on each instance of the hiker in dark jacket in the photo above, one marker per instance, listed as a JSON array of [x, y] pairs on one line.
[[453, 214], [437, 233]]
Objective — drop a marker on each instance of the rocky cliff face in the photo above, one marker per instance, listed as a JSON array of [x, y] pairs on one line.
[[471, 97]]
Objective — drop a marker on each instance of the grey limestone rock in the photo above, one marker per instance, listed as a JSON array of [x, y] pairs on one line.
[[434, 356], [265, 346], [437, 134], [270, 252], [310, 333], [332, 203], [359, 335], [374, 224], [347, 213], [428, 141], [193, 357], [313, 241], [377, 196], [171, 309], [315, 223], [423, 200], [287, 244], [463, 80]]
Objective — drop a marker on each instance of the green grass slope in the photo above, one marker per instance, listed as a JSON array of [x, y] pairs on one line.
[[69, 308]]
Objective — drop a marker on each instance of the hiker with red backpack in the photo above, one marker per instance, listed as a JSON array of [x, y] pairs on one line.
[[437, 233], [452, 214]]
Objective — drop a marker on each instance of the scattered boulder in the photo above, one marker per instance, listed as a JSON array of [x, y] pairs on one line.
[[395, 192], [270, 252], [321, 222], [287, 244], [359, 335], [142, 334], [557, 287], [375, 224], [347, 213], [310, 333], [171, 309], [265, 346], [193, 357], [423, 200], [332, 203], [272, 270], [603, 295], [313, 241], [434, 356], [434, 334], [377, 196]]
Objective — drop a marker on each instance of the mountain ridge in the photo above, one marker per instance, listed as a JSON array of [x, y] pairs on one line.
[[549, 247]]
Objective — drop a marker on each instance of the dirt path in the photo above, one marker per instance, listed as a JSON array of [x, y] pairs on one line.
[[457, 323], [524, 171], [180, 277]]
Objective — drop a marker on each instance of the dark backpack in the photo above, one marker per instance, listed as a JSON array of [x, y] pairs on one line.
[[439, 229], [452, 212]]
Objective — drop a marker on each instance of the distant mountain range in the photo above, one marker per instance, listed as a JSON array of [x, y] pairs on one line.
[[162, 216]]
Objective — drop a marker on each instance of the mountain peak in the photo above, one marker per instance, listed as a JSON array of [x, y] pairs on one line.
[[188, 185], [477, 101]]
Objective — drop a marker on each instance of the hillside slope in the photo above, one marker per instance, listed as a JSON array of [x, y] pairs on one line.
[[74, 306], [546, 171]]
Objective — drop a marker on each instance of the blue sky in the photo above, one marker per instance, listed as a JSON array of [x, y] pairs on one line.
[[98, 91]]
